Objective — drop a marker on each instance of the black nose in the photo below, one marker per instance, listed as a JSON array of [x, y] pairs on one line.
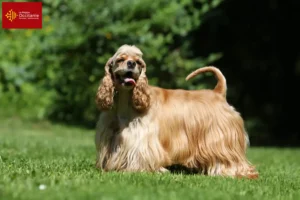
[[131, 64]]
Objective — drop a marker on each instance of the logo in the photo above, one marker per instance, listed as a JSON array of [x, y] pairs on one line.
[[22, 15], [11, 15]]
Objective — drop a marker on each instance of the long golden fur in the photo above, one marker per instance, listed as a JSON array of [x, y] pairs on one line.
[[147, 128]]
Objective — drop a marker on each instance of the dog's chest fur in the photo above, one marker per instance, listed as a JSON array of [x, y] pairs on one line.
[[123, 110]]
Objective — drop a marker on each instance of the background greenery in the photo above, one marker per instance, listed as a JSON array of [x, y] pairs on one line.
[[53, 73]]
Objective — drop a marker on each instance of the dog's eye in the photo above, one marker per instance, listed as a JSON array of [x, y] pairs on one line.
[[120, 60]]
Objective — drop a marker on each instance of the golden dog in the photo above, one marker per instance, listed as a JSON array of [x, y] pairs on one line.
[[147, 128]]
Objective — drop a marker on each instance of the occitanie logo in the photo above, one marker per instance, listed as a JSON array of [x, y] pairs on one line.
[[22, 15], [11, 15]]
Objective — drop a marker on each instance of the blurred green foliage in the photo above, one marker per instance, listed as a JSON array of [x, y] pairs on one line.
[[54, 72]]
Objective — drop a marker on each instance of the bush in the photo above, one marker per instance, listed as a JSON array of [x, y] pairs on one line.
[[57, 69]]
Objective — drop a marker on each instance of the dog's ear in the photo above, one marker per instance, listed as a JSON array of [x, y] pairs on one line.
[[105, 93], [141, 92], [143, 65], [108, 66]]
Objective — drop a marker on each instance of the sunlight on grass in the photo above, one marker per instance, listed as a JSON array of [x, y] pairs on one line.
[[46, 161]]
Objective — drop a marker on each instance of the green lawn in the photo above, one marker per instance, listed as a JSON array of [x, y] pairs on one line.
[[61, 159]]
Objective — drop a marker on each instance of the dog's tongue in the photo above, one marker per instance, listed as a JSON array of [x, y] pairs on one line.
[[129, 80]]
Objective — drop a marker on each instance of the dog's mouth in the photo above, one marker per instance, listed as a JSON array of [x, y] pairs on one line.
[[126, 79]]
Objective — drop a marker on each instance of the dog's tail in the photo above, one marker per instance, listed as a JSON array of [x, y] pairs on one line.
[[221, 86]]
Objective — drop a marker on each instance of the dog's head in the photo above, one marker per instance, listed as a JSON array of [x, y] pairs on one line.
[[125, 70], [127, 66]]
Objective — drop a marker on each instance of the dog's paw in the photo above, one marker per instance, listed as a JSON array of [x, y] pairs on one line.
[[163, 170]]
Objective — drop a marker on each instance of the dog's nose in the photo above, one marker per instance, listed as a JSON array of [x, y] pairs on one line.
[[131, 64]]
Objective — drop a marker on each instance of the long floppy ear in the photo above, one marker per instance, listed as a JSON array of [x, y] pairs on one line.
[[105, 93], [141, 92]]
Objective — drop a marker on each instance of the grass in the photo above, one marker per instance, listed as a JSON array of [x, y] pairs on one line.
[[62, 159]]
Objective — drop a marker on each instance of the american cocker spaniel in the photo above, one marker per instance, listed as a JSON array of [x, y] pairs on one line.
[[147, 128]]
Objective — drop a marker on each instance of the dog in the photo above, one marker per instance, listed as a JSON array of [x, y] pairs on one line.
[[143, 128]]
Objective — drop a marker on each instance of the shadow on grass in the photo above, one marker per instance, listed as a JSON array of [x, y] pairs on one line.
[[179, 169]]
